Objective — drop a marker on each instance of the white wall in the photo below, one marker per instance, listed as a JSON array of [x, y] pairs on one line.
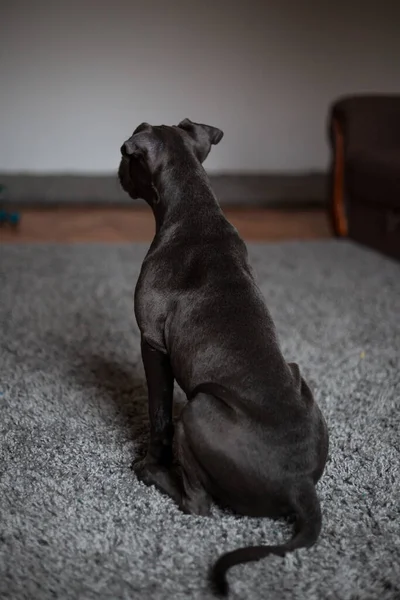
[[77, 76]]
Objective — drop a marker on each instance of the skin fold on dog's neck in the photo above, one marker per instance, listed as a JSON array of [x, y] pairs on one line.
[[183, 194]]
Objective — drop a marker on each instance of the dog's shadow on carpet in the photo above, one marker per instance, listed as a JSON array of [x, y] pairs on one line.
[[121, 394]]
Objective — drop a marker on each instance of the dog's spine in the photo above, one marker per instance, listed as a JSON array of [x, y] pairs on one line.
[[307, 510]]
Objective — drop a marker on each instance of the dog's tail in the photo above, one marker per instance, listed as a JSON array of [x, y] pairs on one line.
[[307, 510]]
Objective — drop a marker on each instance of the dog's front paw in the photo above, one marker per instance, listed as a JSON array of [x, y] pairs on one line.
[[143, 468], [157, 455], [165, 480]]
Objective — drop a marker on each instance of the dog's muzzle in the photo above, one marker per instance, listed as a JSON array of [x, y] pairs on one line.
[[126, 149], [123, 173], [125, 179]]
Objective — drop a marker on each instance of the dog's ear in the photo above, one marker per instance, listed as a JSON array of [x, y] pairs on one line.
[[142, 127], [137, 146], [202, 137], [214, 134]]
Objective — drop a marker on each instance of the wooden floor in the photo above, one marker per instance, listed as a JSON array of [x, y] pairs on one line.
[[137, 224]]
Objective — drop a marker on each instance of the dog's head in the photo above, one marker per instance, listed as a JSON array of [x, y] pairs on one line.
[[150, 149]]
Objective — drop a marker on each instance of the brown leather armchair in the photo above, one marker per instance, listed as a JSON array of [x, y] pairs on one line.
[[364, 133]]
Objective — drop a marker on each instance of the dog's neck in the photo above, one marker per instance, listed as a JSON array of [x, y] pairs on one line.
[[183, 194]]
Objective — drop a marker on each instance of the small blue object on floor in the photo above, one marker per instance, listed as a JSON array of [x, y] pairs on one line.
[[7, 217]]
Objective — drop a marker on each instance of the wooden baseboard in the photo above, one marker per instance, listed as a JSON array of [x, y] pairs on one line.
[[232, 189], [71, 224]]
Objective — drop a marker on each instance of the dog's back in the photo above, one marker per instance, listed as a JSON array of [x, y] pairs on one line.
[[217, 326]]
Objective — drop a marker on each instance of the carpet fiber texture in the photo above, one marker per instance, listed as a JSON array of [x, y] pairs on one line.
[[75, 522]]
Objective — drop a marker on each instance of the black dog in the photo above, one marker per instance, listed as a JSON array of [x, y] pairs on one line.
[[251, 436]]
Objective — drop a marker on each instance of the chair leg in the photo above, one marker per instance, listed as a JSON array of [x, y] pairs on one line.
[[338, 211]]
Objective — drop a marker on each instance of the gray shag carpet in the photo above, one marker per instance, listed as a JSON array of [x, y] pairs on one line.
[[76, 524]]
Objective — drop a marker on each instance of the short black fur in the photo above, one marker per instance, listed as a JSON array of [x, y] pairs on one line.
[[251, 436]]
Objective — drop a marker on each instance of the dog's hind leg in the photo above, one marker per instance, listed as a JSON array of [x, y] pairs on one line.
[[204, 429], [195, 499], [183, 483]]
